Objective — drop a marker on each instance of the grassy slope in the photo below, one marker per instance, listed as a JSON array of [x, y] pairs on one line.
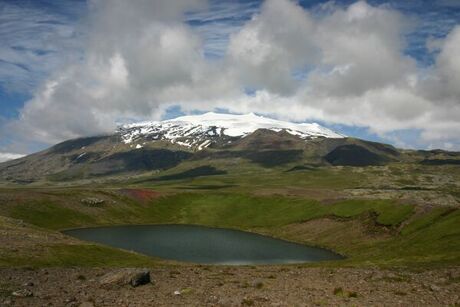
[[432, 237], [244, 211], [83, 255], [213, 209], [26, 245]]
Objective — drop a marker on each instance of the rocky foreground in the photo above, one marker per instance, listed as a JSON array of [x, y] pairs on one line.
[[229, 286]]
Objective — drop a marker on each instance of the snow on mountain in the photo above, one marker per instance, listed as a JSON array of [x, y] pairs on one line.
[[200, 131]]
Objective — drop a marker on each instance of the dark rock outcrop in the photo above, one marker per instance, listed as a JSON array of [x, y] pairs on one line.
[[354, 155]]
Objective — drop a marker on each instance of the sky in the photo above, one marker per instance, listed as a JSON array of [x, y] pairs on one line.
[[387, 71]]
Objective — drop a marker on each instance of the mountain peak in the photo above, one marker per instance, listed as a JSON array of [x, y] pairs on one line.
[[200, 131]]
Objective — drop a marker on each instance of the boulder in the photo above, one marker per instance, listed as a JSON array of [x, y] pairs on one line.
[[133, 277], [22, 293], [140, 278], [92, 201]]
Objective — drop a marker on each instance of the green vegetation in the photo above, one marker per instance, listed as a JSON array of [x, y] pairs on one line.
[[49, 215], [66, 255], [245, 177], [434, 239], [388, 212], [212, 209], [378, 206], [383, 232], [245, 211], [426, 220]]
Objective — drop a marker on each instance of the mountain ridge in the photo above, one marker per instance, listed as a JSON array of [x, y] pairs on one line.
[[222, 141]]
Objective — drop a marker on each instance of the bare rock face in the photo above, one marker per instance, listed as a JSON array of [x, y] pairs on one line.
[[133, 277]]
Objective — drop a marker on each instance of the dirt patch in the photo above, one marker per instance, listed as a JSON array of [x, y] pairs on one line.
[[142, 195]]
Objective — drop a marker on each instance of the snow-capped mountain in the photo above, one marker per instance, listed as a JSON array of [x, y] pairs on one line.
[[200, 131], [231, 141]]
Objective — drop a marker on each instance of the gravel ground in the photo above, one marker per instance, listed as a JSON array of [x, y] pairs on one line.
[[233, 286]]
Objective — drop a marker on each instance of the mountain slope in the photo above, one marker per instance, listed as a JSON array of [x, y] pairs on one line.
[[157, 146]]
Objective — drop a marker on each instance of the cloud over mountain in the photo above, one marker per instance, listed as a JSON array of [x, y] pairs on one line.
[[5, 156], [340, 65]]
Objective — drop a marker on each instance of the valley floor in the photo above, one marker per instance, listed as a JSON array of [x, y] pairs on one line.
[[236, 286], [397, 225]]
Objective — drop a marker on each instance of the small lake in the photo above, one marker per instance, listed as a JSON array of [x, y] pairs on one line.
[[204, 245]]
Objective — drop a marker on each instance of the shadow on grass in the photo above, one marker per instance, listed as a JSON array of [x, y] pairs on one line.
[[191, 173]]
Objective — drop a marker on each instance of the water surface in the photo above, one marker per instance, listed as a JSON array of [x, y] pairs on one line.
[[204, 245]]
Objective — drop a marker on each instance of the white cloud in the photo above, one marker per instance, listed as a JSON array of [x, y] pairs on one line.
[[448, 64], [5, 156], [141, 57], [275, 43]]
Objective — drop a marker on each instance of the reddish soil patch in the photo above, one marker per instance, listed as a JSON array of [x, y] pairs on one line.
[[140, 194]]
